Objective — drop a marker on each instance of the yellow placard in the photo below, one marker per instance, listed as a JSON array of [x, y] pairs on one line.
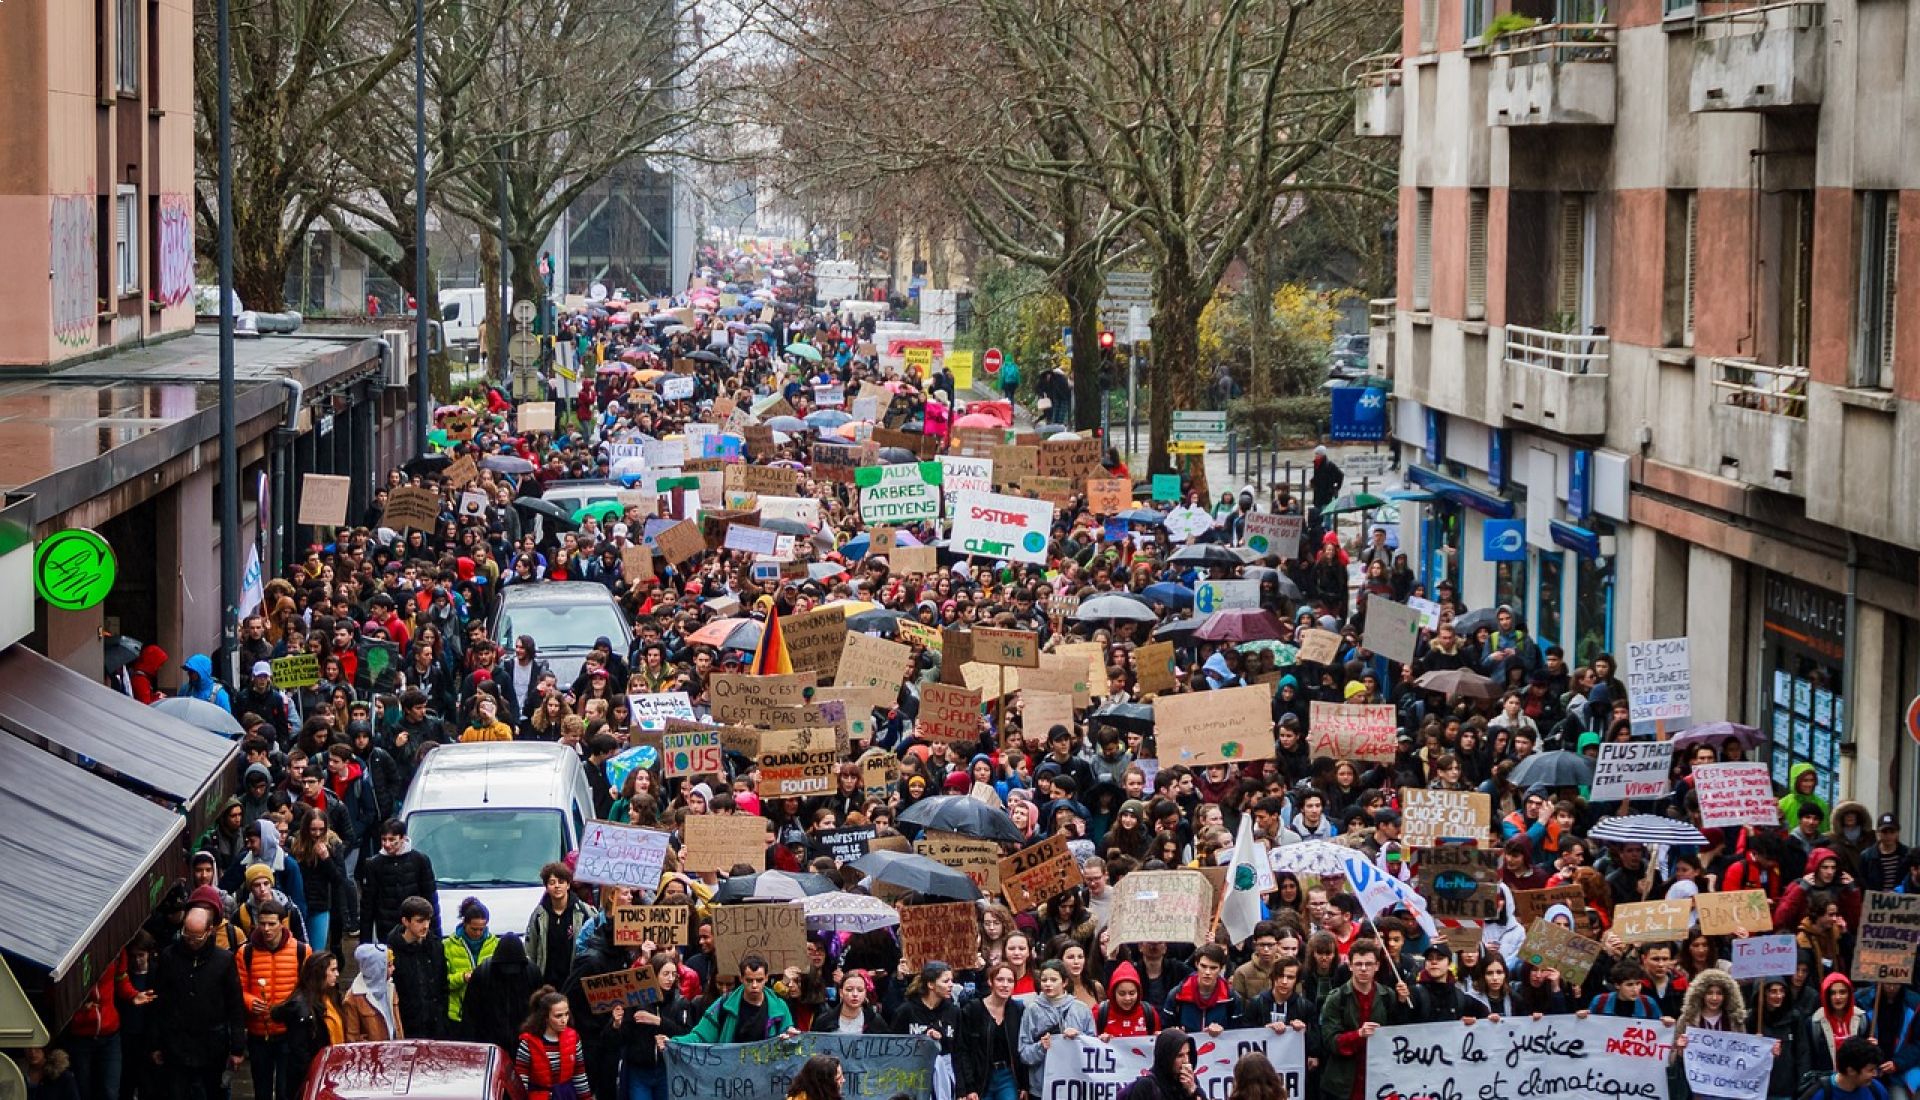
[[1186, 447], [961, 364]]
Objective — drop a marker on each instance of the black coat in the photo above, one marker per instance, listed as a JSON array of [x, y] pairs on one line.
[[677, 1017], [386, 881], [419, 977], [306, 1032], [496, 1002], [200, 992], [973, 1050]]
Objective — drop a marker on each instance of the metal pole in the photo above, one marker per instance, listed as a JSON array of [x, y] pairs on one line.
[[422, 393], [229, 445], [1133, 402], [506, 276]]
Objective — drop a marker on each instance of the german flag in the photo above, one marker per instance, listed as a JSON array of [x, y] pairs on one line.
[[771, 658]]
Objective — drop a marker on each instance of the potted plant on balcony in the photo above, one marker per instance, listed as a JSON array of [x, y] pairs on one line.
[[1507, 23]]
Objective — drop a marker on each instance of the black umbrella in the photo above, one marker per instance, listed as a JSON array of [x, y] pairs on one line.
[[507, 464], [540, 506], [1178, 630], [918, 874], [1288, 589], [1555, 769], [1486, 616], [426, 464], [773, 884], [706, 357], [1205, 553], [120, 651], [1127, 716], [897, 454], [880, 620], [786, 526], [963, 814]]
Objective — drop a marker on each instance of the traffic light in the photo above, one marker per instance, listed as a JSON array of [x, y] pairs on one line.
[[1109, 367], [1107, 341]]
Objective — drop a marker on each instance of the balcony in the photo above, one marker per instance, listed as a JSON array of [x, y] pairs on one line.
[[1380, 329], [1556, 380], [1760, 423], [1767, 57], [1378, 102], [1560, 74]]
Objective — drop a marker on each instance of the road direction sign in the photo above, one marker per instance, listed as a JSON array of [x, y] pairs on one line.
[[990, 362], [1367, 463], [523, 312], [1200, 427], [523, 348]]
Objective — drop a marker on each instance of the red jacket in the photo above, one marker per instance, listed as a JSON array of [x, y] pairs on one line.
[[1144, 1019], [99, 1016]]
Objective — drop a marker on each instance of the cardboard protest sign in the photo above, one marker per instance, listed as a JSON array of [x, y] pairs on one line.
[[1153, 668], [632, 987], [1095, 656], [1319, 647], [1889, 937], [1765, 956], [1033, 876], [978, 859], [1725, 912], [1058, 673], [1013, 463], [296, 670], [1040, 711], [948, 932], [908, 560], [1013, 648], [1659, 686], [636, 564], [660, 925], [814, 640], [716, 842], [1353, 731], [1276, 536], [777, 481], [797, 762], [1428, 817], [1170, 906], [680, 542], [1558, 1057], [621, 855], [1531, 905], [1549, 945], [913, 633], [730, 694], [1739, 793], [461, 472], [879, 771], [690, 753], [1108, 496], [867, 661], [323, 500], [1073, 459], [1460, 882], [1728, 1065], [1214, 727], [1661, 921], [1393, 629], [948, 713], [1632, 769], [956, 652], [412, 506], [535, 416], [776, 933]]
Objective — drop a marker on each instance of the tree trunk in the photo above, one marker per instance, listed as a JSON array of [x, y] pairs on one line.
[[1260, 279], [1080, 283], [490, 279], [1174, 370], [262, 254]]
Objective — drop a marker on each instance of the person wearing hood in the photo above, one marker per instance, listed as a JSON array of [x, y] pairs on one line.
[[1802, 782], [497, 993], [256, 792], [1124, 1014], [369, 1011], [1852, 834], [1051, 1013], [1780, 1021], [200, 683], [263, 849], [144, 673], [225, 841], [1825, 874], [1836, 1020], [1713, 1003], [1172, 1076]]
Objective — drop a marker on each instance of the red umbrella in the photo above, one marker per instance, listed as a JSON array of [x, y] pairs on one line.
[[978, 420], [1241, 625]]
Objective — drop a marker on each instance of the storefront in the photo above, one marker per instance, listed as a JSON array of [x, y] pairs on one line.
[[1803, 649]]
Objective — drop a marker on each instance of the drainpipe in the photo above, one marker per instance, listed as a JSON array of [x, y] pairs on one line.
[[281, 461], [1849, 745]]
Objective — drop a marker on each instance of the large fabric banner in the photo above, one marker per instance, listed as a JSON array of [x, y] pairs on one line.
[[1559, 1056], [1088, 1069], [878, 1066]]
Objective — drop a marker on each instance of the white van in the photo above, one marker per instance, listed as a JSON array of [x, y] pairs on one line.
[[490, 815], [462, 309]]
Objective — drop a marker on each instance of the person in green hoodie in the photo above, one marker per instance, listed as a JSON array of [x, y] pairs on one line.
[[472, 944], [1801, 782], [750, 1013]]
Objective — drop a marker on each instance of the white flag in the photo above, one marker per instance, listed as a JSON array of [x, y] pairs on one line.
[[1240, 910], [253, 586], [1379, 891]]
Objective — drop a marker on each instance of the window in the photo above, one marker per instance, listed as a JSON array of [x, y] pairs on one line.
[[1879, 269], [1476, 255], [126, 236], [1548, 622], [1429, 24], [1423, 249], [126, 46], [1677, 7], [1682, 249], [1796, 278], [1473, 21]]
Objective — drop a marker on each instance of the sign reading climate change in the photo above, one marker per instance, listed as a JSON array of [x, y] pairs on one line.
[[906, 492], [1556, 1058], [877, 1066], [994, 525], [1088, 1069]]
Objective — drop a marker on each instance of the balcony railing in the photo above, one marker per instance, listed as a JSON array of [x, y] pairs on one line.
[[1751, 56], [1567, 353], [1377, 97], [1737, 17], [1561, 74], [1744, 384], [1557, 43]]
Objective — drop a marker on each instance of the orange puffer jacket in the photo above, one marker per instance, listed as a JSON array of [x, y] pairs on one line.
[[268, 975]]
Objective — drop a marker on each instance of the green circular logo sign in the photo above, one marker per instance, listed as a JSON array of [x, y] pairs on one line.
[[74, 569]]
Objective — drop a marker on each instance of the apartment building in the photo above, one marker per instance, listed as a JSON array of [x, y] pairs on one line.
[[1656, 345], [96, 181]]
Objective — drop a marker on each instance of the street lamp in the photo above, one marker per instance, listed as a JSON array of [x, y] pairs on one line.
[[422, 394], [229, 445]]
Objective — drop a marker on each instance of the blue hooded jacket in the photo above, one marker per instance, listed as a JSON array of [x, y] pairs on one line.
[[201, 684]]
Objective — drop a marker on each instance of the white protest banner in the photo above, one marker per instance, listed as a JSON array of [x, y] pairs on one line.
[[994, 525], [1728, 1065], [664, 454], [1428, 817], [1429, 612], [905, 492], [1554, 1058], [1088, 1069], [661, 704], [1739, 793], [1659, 686], [1765, 956], [758, 541], [677, 387], [621, 855], [1211, 596], [1270, 535], [1632, 769], [799, 509], [1353, 731], [960, 474], [1392, 629]]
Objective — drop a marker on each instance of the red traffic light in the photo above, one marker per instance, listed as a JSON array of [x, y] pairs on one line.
[[1107, 340]]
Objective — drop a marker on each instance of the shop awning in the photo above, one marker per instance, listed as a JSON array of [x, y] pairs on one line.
[[1577, 539], [82, 864], [116, 737], [1459, 492]]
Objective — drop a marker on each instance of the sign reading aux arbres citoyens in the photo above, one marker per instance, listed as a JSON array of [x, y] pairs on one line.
[[906, 492]]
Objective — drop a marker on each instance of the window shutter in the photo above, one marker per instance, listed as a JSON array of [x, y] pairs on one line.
[[1688, 285], [1573, 250], [1423, 250], [1800, 297], [1429, 23], [1889, 282], [1476, 255]]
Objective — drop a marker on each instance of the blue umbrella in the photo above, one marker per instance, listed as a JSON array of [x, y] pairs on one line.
[[855, 548], [787, 424], [1170, 594], [828, 418], [1142, 515]]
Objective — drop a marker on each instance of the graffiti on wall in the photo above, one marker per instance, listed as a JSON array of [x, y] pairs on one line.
[[74, 266], [176, 250]]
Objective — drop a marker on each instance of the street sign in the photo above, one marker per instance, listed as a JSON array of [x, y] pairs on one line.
[[1129, 287], [1913, 718], [1366, 463], [1200, 427], [523, 312], [1186, 447], [990, 362]]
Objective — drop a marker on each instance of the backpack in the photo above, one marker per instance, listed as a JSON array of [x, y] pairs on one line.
[[1823, 1089]]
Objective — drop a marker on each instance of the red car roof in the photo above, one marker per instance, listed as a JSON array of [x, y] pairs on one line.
[[415, 1068]]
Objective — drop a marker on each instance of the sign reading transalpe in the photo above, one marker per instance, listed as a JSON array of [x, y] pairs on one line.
[[1549, 1059], [1088, 1069]]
